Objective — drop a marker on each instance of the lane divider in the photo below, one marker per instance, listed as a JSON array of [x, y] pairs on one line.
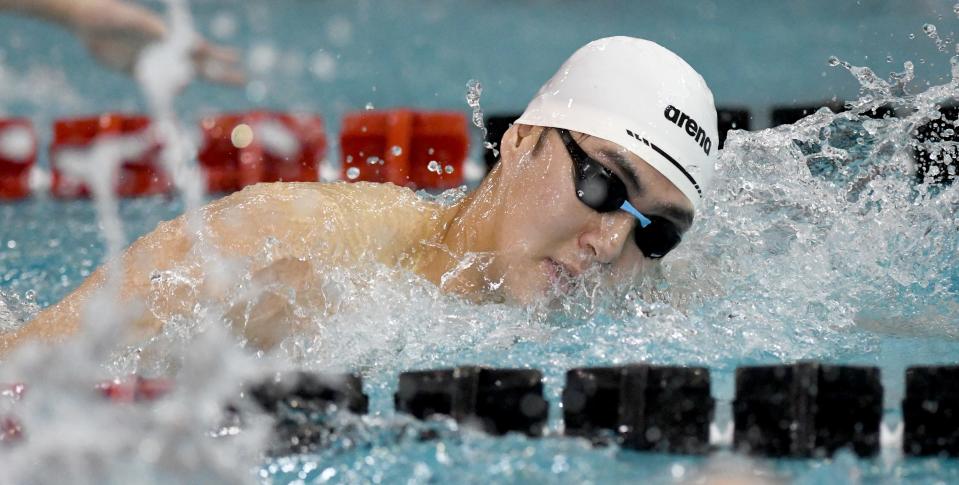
[[413, 148], [807, 409], [930, 411], [241, 149], [18, 155], [496, 400], [667, 409], [800, 410], [419, 149], [78, 139]]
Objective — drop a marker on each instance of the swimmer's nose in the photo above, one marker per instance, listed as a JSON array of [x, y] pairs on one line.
[[607, 241]]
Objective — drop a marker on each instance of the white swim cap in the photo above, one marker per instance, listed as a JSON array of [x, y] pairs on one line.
[[641, 96]]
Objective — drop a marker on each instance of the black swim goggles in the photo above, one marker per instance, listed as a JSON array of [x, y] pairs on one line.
[[601, 190]]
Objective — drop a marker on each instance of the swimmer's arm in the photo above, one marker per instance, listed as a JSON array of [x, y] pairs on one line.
[[263, 317], [54, 322], [54, 10], [116, 31], [165, 245]]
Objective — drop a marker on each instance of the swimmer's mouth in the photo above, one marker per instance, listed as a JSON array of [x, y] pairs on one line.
[[561, 276]]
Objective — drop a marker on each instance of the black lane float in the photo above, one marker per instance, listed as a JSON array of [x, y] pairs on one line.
[[807, 410], [498, 400], [930, 411], [802, 410], [665, 409]]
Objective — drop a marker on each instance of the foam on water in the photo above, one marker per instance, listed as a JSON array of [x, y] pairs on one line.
[[815, 241]]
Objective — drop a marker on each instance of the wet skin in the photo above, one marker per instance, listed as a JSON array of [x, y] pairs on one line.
[[522, 230]]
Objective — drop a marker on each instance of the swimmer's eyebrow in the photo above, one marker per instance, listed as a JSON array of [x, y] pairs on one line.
[[625, 167], [677, 213]]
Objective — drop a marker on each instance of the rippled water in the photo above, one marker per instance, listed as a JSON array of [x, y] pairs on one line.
[[817, 242]]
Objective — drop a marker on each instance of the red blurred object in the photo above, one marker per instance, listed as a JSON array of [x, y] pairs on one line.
[[241, 149], [18, 154], [10, 430], [138, 176], [399, 146], [135, 389], [129, 390]]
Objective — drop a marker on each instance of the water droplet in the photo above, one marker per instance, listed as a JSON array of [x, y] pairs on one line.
[[242, 135], [474, 89], [323, 65], [369, 106], [929, 29], [372, 160], [327, 474], [434, 166], [912, 36], [430, 151], [889, 59], [473, 92], [833, 61], [352, 173], [955, 8], [349, 159], [223, 25], [396, 150], [262, 58], [11, 244], [450, 169]]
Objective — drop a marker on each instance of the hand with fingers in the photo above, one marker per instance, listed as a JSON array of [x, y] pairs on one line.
[[117, 31]]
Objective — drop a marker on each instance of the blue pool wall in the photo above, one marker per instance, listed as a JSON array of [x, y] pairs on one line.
[[422, 53]]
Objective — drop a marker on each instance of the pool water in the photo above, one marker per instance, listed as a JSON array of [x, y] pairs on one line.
[[816, 243]]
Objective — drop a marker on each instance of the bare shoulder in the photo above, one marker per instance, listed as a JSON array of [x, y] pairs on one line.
[[312, 218], [311, 197]]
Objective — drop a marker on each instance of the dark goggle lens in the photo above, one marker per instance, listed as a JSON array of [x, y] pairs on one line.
[[658, 238], [596, 186], [601, 190], [600, 193]]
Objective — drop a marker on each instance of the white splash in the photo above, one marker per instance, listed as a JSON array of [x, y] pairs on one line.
[[17, 143], [277, 139]]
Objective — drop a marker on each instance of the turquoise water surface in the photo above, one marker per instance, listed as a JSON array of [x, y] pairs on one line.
[[857, 264]]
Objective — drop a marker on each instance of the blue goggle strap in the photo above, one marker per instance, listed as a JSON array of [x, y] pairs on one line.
[[643, 220]]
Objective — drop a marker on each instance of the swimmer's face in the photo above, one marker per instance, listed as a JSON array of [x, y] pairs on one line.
[[547, 234]]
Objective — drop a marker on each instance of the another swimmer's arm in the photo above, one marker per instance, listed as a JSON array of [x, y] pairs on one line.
[[116, 31], [53, 10]]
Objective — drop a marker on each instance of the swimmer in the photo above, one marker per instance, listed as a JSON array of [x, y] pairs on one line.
[[603, 171], [116, 32]]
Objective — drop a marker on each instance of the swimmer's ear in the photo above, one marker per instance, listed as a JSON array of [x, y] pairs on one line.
[[518, 140], [524, 131]]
